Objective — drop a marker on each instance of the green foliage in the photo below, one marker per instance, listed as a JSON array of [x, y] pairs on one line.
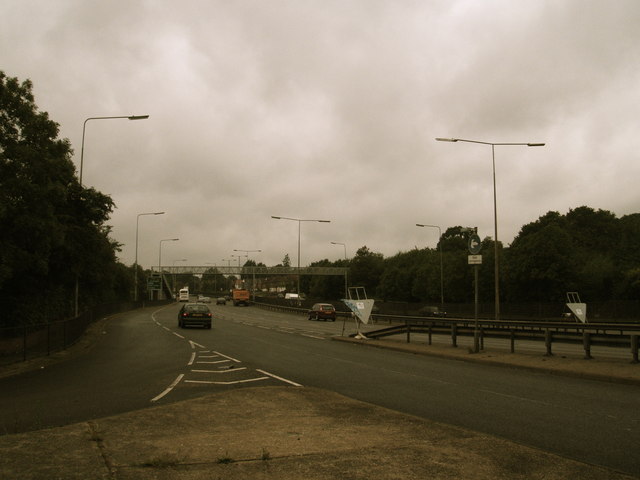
[[323, 286], [366, 270], [52, 230], [586, 250]]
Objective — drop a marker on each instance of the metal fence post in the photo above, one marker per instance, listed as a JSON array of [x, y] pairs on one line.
[[634, 348], [454, 335], [547, 342], [586, 342]]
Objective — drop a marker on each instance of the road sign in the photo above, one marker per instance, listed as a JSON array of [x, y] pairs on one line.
[[154, 282], [474, 244], [475, 259], [361, 308]]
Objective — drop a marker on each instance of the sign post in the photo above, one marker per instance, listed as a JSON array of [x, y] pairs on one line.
[[475, 245], [361, 307], [154, 282], [578, 308]]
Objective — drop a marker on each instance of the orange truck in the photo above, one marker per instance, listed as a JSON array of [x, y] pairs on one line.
[[240, 297]]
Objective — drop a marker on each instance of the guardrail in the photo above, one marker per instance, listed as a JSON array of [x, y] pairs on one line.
[[589, 334], [618, 335], [21, 343]]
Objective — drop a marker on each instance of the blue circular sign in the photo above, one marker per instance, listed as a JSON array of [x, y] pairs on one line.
[[474, 244]]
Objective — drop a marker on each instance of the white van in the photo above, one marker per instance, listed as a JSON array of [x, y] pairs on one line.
[[183, 295]]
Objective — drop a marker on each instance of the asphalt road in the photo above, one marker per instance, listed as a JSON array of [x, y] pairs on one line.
[[143, 359]]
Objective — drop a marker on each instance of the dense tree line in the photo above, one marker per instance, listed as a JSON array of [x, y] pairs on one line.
[[53, 235], [589, 251]]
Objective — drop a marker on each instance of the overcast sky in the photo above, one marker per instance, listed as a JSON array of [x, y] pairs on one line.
[[329, 109]]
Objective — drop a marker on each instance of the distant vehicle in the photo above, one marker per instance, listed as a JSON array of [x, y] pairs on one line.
[[324, 311], [204, 299], [221, 301], [240, 297], [183, 295], [291, 296], [432, 312], [194, 314]]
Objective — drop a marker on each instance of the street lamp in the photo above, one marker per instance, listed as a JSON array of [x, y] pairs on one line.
[[253, 279], [495, 207], [135, 294], [174, 273], [299, 220], [247, 252], [441, 270], [160, 252], [84, 126], [239, 257], [346, 287]]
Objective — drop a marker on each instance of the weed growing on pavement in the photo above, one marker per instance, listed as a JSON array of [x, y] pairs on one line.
[[165, 461], [265, 455]]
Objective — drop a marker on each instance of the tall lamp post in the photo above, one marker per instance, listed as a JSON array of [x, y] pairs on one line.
[[441, 270], [135, 291], [299, 220], [160, 252], [84, 127], [239, 257], [174, 273], [228, 260], [495, 207], [346, 284], [253, 279], [247, 252], [239, 282]]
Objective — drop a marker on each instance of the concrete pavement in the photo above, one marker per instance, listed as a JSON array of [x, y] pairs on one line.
[[275, 433]]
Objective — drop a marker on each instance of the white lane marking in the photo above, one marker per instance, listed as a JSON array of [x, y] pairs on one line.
[[177, 335], [311, 336], [193, 357], [226, 356], [220, 371], [279, 378], [213, 363], [169, 388], [515, 397], [227, 383], [194, 345]]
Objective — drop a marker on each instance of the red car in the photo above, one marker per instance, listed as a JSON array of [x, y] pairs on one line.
[[324, 311]]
